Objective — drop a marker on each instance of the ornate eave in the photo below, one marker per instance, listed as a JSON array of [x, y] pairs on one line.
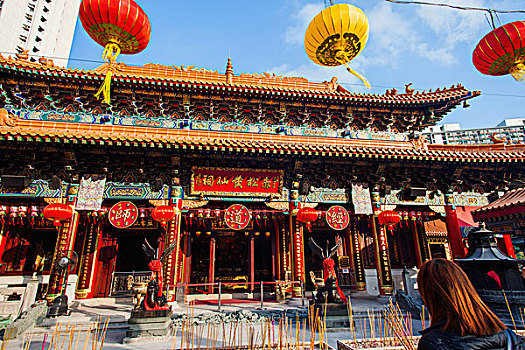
[[221, 141], [299, 101]]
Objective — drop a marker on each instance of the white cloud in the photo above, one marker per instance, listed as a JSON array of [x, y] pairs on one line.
[[295, 33], [391, 36], [452, 26], [441, 56]]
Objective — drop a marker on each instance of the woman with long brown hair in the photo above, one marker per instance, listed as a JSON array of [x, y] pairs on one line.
[[460, 319]]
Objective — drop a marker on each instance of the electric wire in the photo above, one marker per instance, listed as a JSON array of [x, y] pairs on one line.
[[456, 7]]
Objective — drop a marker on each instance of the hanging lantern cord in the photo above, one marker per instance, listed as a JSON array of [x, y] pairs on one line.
[[363, 79], [110, 54], [341, 57], [518, 70]]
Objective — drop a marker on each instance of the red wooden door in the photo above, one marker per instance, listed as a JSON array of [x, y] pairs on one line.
[[106, 264]]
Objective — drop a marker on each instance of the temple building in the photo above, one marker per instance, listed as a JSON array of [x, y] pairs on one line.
[[238, 156], [505, 217]]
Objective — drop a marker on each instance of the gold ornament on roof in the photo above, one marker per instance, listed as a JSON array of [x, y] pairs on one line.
[[336, 36]]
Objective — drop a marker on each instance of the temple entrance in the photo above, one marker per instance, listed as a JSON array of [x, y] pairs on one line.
[[129, 258], [237, 259], [130, 255], [232, 260], [313, 263]]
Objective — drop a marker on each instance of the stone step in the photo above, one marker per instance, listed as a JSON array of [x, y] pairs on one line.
[[345, 313], [113, 326], [148, 329]]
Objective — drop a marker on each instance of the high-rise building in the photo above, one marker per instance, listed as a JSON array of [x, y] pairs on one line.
[[41, 27], [510, 130]]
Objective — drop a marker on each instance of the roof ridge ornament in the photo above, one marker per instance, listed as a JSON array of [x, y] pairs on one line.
[[229, 71], [23, 56], [7, 119]]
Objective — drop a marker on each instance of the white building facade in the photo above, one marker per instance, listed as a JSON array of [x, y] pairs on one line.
[[511, 130], [43, 28]]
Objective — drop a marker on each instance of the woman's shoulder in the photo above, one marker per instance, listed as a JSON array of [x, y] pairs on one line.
[[436, 339]]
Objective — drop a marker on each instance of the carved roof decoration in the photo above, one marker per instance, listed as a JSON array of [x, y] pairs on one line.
[[265, 83], [133, 136]]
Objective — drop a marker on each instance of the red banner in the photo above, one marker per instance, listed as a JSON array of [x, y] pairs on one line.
[[236, 182]]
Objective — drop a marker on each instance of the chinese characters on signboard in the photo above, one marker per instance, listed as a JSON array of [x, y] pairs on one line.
[[384, 261], [236, 182], [91, 192], [361, 199]]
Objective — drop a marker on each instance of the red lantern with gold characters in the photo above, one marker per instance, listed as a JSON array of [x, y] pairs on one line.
[[120, 26], [307, 215], [389, 218], [58, 212], [502, 51], [163, 214]]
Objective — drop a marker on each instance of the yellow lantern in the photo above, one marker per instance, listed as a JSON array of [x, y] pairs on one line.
[[336, 36]]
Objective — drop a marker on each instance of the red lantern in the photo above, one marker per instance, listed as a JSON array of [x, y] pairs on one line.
[[307, 215], [58, 212], [120, 26], [502, 51], [389, 218], [163, 214]]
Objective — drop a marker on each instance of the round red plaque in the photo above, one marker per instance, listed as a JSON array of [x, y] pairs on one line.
[[337, 217], [237, 217], [123, 214]]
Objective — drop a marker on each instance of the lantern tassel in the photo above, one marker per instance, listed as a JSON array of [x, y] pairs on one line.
[[518, 71], [362, 78], [110, 54]]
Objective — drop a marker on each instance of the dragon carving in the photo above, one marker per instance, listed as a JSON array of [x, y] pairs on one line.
[[155, 299], [329, 275]]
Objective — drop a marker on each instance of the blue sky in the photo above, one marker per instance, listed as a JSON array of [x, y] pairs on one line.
[[428, 46]]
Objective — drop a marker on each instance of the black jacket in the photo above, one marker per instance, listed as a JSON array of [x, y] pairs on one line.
[[434, 338]]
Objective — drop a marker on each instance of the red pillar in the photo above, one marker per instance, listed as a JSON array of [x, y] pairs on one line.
[[88, 260], [187, 258], [509, 247], [454, 232], [356, 256], [4, 231], [252, 262], [65, 243], [211, 272], [172, 235], [273, 239], [384, 271], [296, 232], [417, 244]]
